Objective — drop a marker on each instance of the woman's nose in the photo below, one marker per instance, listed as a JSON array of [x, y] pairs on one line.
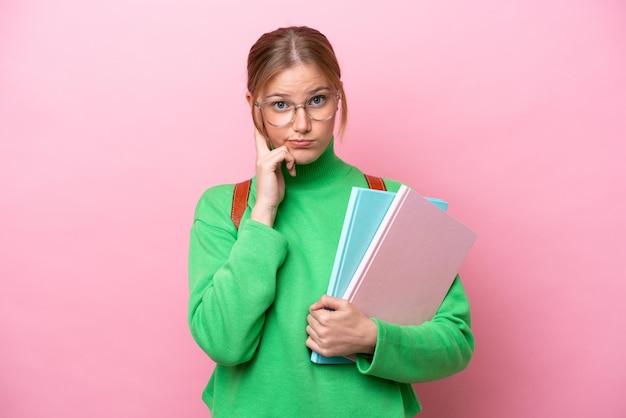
[[301, 121]]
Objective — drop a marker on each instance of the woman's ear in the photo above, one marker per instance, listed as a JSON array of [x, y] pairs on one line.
[[253, 109], [256, 116]]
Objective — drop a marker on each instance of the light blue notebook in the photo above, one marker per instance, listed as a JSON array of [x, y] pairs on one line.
[[366, 210]]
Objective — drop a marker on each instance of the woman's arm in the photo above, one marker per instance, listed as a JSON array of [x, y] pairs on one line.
[[433, 350], [232, 279], [408, 354], [233, 274]]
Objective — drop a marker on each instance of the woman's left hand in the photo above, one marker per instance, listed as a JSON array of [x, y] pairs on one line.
[[338, 328]]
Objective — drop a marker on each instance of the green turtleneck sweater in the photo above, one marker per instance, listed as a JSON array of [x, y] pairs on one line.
[[250, 294]]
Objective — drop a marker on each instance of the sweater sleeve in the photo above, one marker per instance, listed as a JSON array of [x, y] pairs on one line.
[[232, 278], [432, 350]]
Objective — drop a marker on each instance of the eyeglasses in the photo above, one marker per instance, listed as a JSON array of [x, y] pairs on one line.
[[280, 113]]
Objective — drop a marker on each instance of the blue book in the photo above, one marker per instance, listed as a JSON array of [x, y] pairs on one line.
[[366, 210]]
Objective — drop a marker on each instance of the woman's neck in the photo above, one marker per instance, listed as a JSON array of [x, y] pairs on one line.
[[326, 169]]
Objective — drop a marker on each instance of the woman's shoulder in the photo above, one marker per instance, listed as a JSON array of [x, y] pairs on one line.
[[215, 200], [219, 192], [391, 184]]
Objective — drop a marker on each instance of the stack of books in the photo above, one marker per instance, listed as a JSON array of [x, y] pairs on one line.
[[397, 257]]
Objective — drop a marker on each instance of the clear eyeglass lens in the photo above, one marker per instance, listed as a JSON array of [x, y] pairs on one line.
[[281, 113]]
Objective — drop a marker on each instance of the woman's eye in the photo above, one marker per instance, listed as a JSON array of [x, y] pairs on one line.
[[281, 106], [317, 101]]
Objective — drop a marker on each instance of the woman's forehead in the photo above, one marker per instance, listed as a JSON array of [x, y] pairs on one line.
[[297, 80]]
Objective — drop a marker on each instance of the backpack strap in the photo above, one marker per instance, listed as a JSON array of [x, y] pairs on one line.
[[240, 201], [242, 192], [375, 183]]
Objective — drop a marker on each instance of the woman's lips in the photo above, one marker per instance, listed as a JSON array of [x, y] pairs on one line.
[[300, 143]]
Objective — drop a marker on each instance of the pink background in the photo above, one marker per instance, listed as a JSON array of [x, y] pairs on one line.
[[115, 116]]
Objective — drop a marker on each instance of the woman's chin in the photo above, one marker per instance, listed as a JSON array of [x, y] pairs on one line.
[[304, 157]]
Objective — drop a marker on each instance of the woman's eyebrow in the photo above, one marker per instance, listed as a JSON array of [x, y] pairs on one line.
[[317, 90], [309, 93]]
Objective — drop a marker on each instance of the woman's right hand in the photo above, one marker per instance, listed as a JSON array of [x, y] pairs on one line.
[[270, 184]]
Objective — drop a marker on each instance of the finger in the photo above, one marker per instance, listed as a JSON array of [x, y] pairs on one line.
[[273, 159], [330, 303], [310, 343], [290, 163], [276, 157], [321, 318], [316, 306], [261, 143], [313, 337], [311, 332], [313, 322]]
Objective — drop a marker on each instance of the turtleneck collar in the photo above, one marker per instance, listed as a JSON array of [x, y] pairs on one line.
[[325, 170]]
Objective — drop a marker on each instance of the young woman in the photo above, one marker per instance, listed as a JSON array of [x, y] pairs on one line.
[[257, 305]]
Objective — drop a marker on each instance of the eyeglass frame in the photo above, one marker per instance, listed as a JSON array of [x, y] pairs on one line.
[[303, 105]]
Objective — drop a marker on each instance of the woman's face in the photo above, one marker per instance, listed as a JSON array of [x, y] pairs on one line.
[[305, 138]]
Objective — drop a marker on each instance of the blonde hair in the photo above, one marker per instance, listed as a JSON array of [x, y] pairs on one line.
[[285, 47]]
